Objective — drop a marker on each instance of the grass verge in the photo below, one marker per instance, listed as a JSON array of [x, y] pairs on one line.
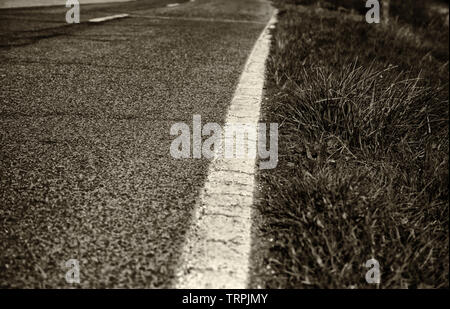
[[363, 147]]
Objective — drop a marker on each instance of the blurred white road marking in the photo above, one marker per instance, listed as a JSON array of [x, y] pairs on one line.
[[201, 19], [171, 5], [101, 19], [217, 247], [40, 3]]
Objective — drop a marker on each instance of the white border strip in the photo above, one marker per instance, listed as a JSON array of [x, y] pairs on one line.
[[217, 248], [102, 19]]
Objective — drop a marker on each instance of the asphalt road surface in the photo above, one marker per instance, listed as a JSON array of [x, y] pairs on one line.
[[85, 117], [37, 3]]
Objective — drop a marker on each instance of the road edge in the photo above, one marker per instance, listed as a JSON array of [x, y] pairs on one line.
[[218, 244]]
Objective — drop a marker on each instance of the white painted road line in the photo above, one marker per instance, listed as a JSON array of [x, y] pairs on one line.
[[102, 19], [171, 5], [217, 247], [200, 19], [40, 3]]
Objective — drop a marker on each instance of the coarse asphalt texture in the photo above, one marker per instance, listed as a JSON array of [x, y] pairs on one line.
[[85, 117]]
